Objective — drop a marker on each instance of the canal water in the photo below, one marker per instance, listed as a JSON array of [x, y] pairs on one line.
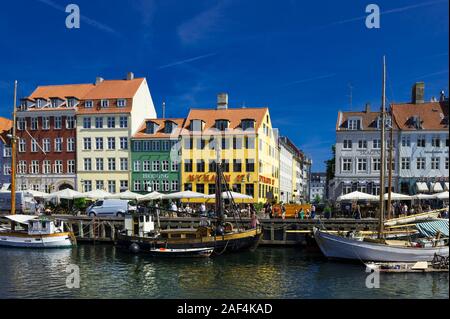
[[108, 272]]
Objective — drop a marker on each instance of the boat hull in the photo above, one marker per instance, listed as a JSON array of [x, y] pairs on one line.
[[338, 247], [58, 240], [220, 244], [181, 253]]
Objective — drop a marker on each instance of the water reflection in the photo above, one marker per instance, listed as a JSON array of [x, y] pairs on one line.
[[107, 272]]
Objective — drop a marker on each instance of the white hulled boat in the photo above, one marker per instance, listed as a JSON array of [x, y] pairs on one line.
[[335, 246], [36, 232], [380, 249]]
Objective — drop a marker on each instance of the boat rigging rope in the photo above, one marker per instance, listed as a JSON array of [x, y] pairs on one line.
[[225, 248]]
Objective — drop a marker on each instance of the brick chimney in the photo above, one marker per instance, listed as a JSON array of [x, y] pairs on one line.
[[367, 110], [222, 101], [418, 94]]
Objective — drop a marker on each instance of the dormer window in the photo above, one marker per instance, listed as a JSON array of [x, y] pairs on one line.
[[23, 105], [105, 103], [416, 122], [388, 122], [169, 127], [196, 125], [354, 124], [248, 124], [151, 127], [89, 104], [71, 102], [222, 125], [39, 103], [54, 103], [121, 103]]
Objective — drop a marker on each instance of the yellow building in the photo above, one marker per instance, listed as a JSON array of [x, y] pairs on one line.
[[107, 117], [248, 150]]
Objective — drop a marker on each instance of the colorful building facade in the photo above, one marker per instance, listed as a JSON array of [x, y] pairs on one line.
[[108, 116], [155, 156], [246, 145], [46, 131], [5, 153]]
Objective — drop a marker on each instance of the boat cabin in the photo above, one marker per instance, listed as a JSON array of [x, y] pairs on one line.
[[140, 225], [44, 227]]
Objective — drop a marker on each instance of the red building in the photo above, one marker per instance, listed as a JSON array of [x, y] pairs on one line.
[[46, 131]]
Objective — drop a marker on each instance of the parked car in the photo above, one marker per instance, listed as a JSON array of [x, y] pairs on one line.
[[25, 203], [110, 207]]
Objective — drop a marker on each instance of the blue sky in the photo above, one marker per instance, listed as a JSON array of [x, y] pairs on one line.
[[296, 57]]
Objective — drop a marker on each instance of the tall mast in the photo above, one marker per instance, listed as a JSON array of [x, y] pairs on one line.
[[219, 204], [383, 150], [391, 156], [13, 155]]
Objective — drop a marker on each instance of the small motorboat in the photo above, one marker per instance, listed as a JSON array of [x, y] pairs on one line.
[[36, 232], [438, 264], [188, 252]]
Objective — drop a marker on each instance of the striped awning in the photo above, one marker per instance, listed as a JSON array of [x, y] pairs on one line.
[[422, 187], [446, 186], [436, 187], [430, 229]]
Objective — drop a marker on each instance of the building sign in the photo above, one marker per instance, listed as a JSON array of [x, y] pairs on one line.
[[266, 180], [210, 178], [369, 152], [155, 176]]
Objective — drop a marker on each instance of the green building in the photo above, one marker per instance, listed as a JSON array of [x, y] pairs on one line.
[[155, 156]]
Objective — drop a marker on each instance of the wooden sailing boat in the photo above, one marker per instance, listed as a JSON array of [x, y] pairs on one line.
[[27, 230], [365, 249], [140, 235]]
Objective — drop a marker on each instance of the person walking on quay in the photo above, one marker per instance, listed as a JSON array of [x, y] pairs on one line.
[[358, 212], [313, 211], [283, 211], [268, 209], [254, 222], [202, 209], [301, 213]]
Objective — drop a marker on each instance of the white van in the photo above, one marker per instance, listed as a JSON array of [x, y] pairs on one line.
[[110, 207]]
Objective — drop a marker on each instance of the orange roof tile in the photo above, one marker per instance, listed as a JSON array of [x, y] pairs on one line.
[[434, 115], [62, 91], [368, 120], [160, 133], [114, 89], [5, 126], [234, 116]]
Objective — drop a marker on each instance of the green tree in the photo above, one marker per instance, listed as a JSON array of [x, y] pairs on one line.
[[317, 199], [330, 165]]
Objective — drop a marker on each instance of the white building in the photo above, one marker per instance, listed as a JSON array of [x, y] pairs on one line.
[[358, 149], [318, 186], [286, 171], [423, 144], [420, 148]]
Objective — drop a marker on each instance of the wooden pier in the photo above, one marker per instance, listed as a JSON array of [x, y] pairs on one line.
[[275, 231]]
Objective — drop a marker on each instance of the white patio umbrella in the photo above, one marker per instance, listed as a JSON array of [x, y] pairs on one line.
[[182, 195], [443, 195], [151, 196], [357, 196], [397, 196], [65, 194], [126, 195], [97, 194], [423, 196], [228, 195]]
